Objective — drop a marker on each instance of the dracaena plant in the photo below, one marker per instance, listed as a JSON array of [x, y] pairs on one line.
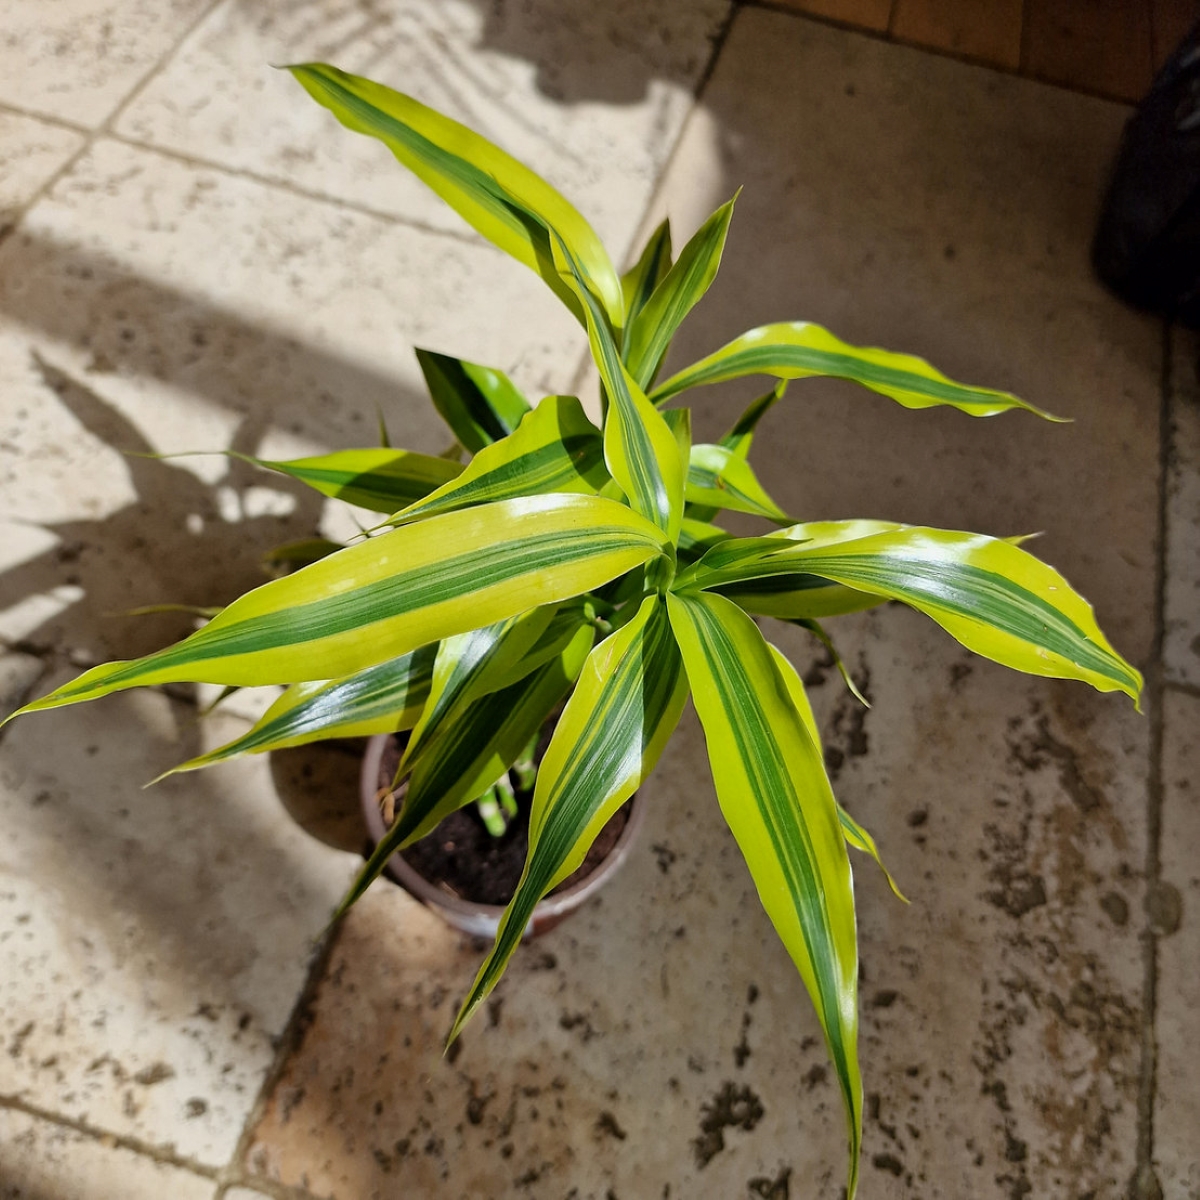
[[565, 559]]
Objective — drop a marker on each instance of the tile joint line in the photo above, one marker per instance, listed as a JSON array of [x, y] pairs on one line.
[[160, 1154], [1145, 1185]]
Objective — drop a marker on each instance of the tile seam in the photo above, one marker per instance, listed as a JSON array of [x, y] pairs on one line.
[[779, 6], [1182, 688], [164, 1155], [91, 135], [283, 185], [1144, 1185], [28, 114], [290, 1040]]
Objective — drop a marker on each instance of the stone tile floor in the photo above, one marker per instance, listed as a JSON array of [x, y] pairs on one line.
[[194, 257]]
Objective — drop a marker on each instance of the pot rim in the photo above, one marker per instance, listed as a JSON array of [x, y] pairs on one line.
[[548, 910]]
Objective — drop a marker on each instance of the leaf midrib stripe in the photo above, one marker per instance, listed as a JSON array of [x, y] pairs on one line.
[[765, 359], [764, 772], [397, 595], [538, 468], [1055, 631]]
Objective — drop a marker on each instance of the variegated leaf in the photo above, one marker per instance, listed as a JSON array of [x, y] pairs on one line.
[[503, 199], [396, 592], [800, 349], [775, 796], [554, 449], [607, 741]]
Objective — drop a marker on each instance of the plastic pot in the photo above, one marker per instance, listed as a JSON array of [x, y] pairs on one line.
[[483, 920]]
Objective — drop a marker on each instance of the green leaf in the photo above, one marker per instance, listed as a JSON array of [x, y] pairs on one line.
[[555, 638], [503, 199], [799, 349], [639, 448], [720, 479], [608, 740], [798, 596], [470, 665], [380, 479], [554, 449], [740, 437], [480, 404], [395, 592], [679, 422], [382, 699], [290, 556], [991, 595], [747, 571], [814, 627], [696, 538], [649, 334], [852, 831], [775, 796], [486, 737], [492, 734], [639, 282], [824, 533]]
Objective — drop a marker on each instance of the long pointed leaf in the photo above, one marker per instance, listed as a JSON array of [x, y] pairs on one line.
[[608, 740], [480, 404], [720, 479], [639, 282], [798, 596], [799, 349], [989, 594], [380, 479], [852, 831], [640, 451], [395, 592], [741, 436], [696, 538], [554, 449], [503, 199], [747, 571], [486, 739], [649, 334], [775, 795], [468, 666], [382, 699]]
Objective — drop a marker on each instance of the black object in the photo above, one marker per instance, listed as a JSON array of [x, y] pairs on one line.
[[1147, 246]]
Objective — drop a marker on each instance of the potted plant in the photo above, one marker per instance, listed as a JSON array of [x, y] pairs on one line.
[[566, 558]]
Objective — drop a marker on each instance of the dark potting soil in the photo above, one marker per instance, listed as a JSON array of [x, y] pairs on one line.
[[463, 858]]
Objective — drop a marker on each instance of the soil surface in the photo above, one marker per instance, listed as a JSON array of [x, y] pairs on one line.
[[464, 859]]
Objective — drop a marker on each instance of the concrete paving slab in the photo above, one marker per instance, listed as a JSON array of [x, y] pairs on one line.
[[31, 151], [18, 675], [78, 59], [1176, 916], [592, 96], [152, 943], [924, 205], [1181, 587], [151, 306], [40, 1160]]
